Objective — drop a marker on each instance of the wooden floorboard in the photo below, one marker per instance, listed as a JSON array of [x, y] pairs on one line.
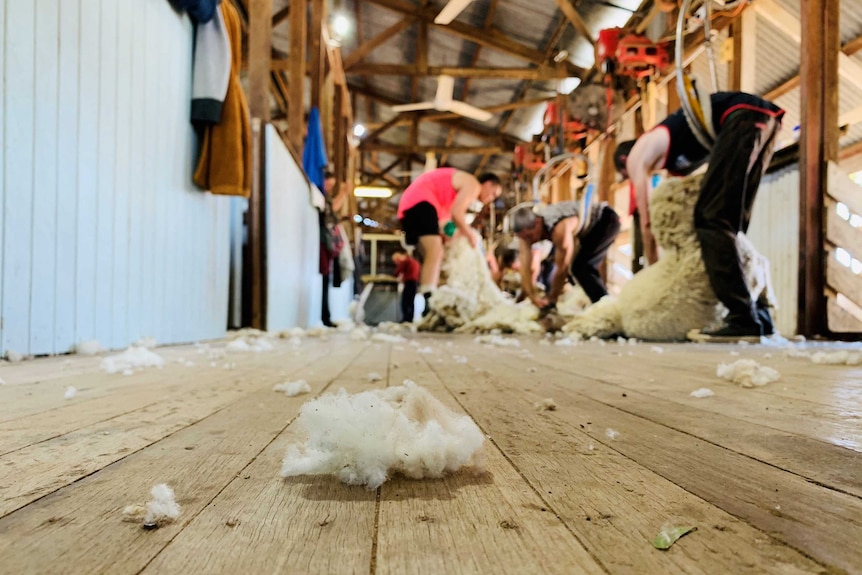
[[783, 505], [771, 477]]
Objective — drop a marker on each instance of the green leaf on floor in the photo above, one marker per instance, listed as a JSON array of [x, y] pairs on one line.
[[669, 535]]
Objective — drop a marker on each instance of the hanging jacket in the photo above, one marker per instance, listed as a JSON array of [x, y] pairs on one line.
[[224, 165], [201, 11], [211, 70], [314, 158]]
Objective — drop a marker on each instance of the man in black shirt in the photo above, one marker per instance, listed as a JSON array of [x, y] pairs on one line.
[[745, 127]]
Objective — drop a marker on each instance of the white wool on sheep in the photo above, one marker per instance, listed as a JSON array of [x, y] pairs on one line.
[[147, 342], [702, 392], [671, 297], [293, 388], [841, 357], [70, 392], [387, 338], [497, 340], [130, 359], [612, 433], [163, 507], [90, 347], [747, 373], [13, 356], [374, 376], [366, 437], [546, 404]]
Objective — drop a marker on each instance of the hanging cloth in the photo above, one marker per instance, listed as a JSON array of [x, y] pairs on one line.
[[224, 166], [314, 158], [211, 71], [201, 11]]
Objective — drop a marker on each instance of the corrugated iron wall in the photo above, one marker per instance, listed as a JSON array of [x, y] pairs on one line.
[[103, 235], [774, 230]]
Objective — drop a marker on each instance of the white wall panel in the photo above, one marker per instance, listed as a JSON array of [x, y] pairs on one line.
[[102, 234], [774, 231]]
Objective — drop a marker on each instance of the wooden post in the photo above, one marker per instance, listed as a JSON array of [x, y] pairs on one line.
[[607, 176], [337, 154], [742, 72], [817, 145], [316, 48], [259, 54], [259, 57], [296, 79]]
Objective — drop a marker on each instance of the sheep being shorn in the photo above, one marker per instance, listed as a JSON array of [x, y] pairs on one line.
[[667, 299]]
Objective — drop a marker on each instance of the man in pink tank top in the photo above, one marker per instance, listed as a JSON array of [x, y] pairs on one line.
[[432, 200]]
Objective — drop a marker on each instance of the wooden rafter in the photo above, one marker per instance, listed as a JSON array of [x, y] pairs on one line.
[[489, 38], [539, 73], [572, 16], [298, 33], [407, 149], [365, 48], [280, 16]]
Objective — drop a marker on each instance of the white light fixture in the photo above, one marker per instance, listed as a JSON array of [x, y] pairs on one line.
[[359, 130], [372, 192], [340, 25], [568, 84]]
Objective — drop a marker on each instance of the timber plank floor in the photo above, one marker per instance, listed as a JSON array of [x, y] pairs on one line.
[[770, 477]]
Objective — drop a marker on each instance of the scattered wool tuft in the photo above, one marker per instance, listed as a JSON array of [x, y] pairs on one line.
[[387, 338], [374, 376], [747, 373], [134, 513], [128, 372], [147, 342], [130, 359], [320, 331], [162, 508], [546, 404], [13, 356], [459, 359], [359, 334], [841, 357], [667, 299], [656, 349], [2, 382], [366, 437], [291, 333], [248, 340], [293, 388], [612, 433], [702, 392], [497, 340], [90, 347], [70, 392], [390, 327], [566, 342]]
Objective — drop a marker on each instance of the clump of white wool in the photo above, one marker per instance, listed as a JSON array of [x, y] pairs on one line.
[[387, 338], [70, 392], [250, 340], [293, 388], [497, 340], [702, 392], [546, 404], [90, 347], [161, 509], [13, 356], [359, 333], [374, 376], [747, 373], [133, 357], [291, 333], [841, 357], [612, 433], [366, 437]]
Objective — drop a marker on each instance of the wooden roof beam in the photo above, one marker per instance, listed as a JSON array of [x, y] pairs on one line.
[[406, 149], [489, 38], [365, 48], [850, 48], [572, 16], [540, 73]]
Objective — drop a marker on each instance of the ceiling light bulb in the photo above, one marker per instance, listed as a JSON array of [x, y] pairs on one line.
[[359, 130], [340, 25]]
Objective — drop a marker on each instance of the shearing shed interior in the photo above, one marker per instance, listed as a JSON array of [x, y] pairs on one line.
[[430, 286]]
